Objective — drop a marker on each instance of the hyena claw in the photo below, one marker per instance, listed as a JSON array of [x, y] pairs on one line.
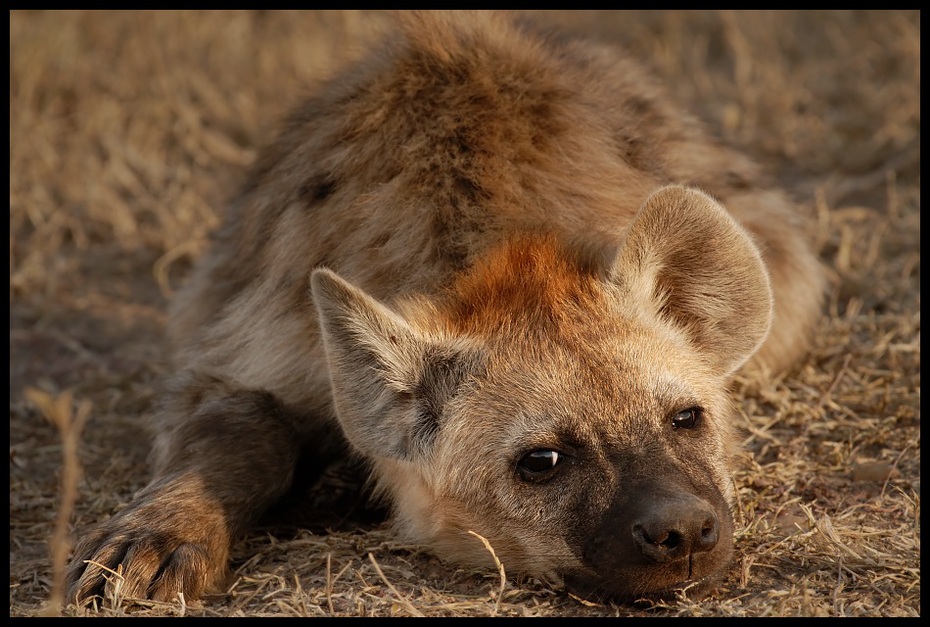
[[154, 549]]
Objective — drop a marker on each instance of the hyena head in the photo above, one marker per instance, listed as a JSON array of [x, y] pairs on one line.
[[569, 407]]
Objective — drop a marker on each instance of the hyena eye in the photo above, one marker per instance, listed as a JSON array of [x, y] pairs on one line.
[[687, 418], [538, 464]]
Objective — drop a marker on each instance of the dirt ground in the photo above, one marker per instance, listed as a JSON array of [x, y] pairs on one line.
[[128, 131]]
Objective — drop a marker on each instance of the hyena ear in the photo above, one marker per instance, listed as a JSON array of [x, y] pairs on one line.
[[389, 382], [685, 257]]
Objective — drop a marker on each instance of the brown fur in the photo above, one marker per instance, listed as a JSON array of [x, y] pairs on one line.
[[518, 263]]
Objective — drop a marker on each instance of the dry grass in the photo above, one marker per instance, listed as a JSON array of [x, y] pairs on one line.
[[129, 130]]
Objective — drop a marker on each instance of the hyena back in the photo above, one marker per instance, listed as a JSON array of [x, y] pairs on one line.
[[481, 259]]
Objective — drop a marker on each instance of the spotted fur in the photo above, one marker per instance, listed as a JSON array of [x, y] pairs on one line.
[[484, 248]]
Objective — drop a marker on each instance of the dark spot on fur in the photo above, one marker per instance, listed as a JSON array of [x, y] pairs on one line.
[[463, 147], [641, 107], [317, 190], [736, 180], [380, 240], [469, 190], [639, 153], [545, 121]]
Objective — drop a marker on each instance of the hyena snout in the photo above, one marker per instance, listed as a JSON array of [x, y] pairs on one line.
[[653, 540], [674, 528]]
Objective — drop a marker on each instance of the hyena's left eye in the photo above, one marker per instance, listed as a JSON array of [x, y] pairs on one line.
[[538, 464], [687, 418]]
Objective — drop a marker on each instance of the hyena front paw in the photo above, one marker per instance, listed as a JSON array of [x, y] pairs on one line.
[[153, 550]]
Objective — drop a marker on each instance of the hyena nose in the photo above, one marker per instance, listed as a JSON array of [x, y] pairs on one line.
[[674, 529]]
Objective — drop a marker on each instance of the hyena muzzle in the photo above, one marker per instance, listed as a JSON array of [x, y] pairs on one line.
[[494, 263]]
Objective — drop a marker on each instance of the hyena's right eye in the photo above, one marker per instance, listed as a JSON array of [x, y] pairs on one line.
[[539, 465], [687, 418]]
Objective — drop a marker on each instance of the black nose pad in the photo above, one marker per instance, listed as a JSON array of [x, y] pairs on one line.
[[675, 528]]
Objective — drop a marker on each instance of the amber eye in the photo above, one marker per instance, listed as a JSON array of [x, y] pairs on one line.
[[538, 464], [687, 418]]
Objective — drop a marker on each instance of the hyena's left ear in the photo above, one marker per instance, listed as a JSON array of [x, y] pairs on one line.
[[389, 382], [686, 258]]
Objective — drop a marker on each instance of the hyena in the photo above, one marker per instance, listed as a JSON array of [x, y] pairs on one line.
[[493, 262]]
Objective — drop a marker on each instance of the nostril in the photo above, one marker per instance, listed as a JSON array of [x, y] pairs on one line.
[[709, 535], [660, 545], [669, 539]]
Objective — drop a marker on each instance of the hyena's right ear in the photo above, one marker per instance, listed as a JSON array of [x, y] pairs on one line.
[[686, 258], [389, 381]]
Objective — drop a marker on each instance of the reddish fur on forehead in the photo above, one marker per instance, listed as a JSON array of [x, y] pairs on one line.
[[532, 283]]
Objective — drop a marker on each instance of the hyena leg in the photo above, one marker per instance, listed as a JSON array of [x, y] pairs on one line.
[[223, 456]]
